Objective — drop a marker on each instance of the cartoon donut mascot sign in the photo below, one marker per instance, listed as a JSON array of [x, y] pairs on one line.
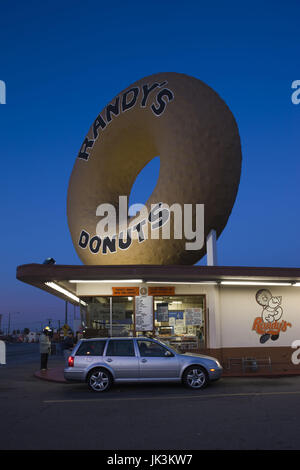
[[268, 324], [184, 122]]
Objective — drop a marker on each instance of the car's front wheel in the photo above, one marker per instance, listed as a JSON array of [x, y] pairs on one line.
[[195, 377], [99, 380]]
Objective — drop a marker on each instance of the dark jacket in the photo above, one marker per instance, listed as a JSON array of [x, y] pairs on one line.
[[68, 343]]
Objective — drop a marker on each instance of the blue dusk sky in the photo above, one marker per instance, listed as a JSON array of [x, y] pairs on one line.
[[62, 62]]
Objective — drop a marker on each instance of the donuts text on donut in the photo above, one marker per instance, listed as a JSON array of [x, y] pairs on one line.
[[125, 102], [108, 240]]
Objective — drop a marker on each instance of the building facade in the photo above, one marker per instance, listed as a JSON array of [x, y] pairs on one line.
[[247, 317]]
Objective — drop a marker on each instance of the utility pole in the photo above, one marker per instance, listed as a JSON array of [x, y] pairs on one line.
[[66, 313], [10, 313]]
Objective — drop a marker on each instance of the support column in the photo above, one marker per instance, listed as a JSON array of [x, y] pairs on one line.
[[211, 248]]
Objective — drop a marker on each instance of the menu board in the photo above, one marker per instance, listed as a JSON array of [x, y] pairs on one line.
[[162, 312], [193, 316], [144, 313]]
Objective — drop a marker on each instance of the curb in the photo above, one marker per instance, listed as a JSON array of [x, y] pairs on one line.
[[51, 375], [56, 375]]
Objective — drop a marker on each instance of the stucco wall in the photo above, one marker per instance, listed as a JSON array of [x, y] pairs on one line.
[[239, 308]]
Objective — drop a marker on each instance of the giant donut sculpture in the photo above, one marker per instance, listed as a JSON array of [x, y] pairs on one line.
[[184, 122]]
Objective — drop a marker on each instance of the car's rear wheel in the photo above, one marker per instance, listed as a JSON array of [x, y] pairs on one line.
[[195, 377], [99, 380]]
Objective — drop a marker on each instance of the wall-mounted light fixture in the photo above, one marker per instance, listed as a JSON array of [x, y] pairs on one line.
[[108, 281], [60, 289]]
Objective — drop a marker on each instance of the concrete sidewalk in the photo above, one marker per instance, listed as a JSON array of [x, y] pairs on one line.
[[55, 370], [55, 374]]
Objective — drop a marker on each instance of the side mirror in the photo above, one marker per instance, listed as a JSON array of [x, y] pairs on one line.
[[168, 354]]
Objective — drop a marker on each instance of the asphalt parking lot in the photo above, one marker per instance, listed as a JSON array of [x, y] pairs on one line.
[[232, 414]]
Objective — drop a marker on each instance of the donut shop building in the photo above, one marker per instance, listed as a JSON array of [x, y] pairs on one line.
[[240, 315], [151, 286]]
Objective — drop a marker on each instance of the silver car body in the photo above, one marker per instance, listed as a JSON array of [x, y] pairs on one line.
[[137, 368]]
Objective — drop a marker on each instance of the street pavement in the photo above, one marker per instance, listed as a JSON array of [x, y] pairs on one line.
[[232, 414]]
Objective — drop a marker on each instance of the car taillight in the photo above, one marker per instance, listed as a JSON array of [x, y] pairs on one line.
[[71, 361]]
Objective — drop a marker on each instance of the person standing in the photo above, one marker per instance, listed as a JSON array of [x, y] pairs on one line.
[[79, 336], [45, 347], [68, 345]]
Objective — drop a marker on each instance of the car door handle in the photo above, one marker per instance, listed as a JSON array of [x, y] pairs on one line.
[[144, 360]]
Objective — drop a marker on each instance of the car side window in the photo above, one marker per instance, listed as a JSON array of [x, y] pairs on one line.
[[151, 349], [120, 348], [91, 348]]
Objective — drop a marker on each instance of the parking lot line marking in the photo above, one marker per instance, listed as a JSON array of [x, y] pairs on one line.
[[175, 397]]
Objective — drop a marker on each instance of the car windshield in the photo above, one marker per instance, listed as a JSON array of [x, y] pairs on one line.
[[168, 345]]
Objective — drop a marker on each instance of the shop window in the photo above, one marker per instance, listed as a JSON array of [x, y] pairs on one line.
[[180, 320], [120, 348], [122, 316], [109, 316]]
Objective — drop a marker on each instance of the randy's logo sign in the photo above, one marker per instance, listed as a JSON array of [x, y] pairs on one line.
[[155, 95], [270, 323]]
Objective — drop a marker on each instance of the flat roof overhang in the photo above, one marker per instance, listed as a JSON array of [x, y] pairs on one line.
[[38, 274]]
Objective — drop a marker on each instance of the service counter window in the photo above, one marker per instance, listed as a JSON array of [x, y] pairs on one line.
[[109, 316], [180, 320], [122, 316]]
